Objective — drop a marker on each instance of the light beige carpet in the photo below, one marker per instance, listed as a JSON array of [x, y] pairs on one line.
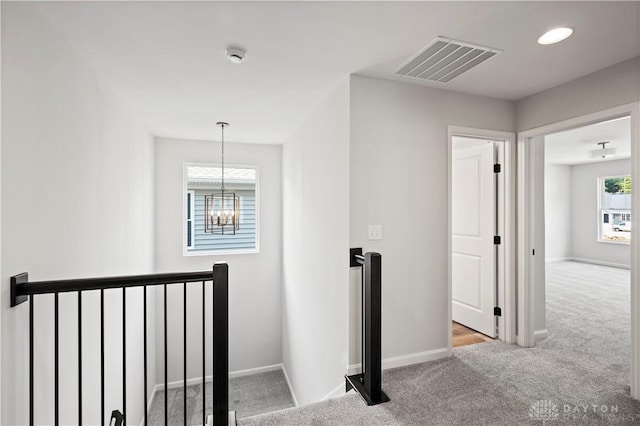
[[579, 374]]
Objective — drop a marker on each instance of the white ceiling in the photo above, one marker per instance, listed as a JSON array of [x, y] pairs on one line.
[[573, 146], [166, 58]]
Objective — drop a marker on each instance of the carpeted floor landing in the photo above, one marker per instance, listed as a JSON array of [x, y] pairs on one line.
[[248, 396], [578, 375]]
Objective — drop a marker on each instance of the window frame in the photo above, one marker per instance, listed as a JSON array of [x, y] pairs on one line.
[[600, 210], [190, 252], [191, 206]]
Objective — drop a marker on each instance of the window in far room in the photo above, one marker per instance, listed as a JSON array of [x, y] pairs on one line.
[[190, 228], [614, 194], [204, 214]]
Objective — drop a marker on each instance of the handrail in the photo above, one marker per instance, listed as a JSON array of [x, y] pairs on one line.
[[368, 384], [22, 290], [21, 287]]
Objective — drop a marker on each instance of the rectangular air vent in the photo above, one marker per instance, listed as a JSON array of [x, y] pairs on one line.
[[444, 59]]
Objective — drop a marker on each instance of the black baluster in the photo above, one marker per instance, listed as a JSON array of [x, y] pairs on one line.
[[204, 397], [31, 420], [184, 349], [213, 349], [166, 389], [124, 353], [56, 361], [80, 357], [144, 325], [102, 355]]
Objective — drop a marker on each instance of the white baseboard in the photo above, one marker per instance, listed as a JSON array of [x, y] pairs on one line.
[[557, 259], [404, 360], [207, 379], [540, 334], [337, 392], [250, 371], [293, 394], [180, 383], [599, 262]]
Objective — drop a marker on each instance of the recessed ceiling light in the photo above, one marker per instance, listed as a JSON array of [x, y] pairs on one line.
[[555, 35]]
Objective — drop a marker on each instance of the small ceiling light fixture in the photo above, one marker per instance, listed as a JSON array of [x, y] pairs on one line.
[[555, 35], [235, 54], [223, 208], [604, 152]]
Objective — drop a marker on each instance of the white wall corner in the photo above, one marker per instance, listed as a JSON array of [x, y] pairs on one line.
[[336, 393], [293, 394]]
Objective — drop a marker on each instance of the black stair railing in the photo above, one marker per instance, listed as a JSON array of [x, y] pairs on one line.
[[22, 291], [368, 384]]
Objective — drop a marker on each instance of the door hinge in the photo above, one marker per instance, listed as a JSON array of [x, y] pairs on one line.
[[497, 311], [497, 168], [497, 240]]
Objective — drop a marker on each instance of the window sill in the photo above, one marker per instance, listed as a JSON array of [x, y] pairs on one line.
[[219, 252], [623, 243]]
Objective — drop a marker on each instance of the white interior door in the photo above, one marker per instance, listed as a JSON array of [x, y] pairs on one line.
[[474, 226]]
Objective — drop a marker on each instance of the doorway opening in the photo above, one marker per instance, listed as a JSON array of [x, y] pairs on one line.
[[582, 217], [576, 239], [480, 237], [587, 218]]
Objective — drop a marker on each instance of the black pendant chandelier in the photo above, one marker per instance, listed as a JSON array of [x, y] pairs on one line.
[[222, 209]]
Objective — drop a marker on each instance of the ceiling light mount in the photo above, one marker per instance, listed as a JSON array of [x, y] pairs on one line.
[[555, 35], [604, 152], [236, 54]]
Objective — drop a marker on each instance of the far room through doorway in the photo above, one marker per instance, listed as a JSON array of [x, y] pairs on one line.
[[583, 284]]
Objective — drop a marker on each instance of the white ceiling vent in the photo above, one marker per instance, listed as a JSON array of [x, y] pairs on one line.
[[444, 59]]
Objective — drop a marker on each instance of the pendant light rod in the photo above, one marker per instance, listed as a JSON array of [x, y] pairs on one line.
[[222, 125]]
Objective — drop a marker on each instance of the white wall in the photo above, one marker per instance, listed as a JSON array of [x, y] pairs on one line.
[[399, 165], [571, 213], [255, 297], [607, 88], [557, 202], [315, 173], [77, 186], [539, 321], [584, 217]]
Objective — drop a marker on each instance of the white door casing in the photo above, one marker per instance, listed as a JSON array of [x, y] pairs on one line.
[[473, 253], [526, 227]]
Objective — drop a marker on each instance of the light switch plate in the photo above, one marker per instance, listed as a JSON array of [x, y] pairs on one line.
[[375, 232]]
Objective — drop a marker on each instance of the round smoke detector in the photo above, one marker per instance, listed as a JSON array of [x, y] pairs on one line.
[[236, 55]]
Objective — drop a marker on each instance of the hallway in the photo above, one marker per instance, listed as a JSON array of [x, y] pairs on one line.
[[583, 363]]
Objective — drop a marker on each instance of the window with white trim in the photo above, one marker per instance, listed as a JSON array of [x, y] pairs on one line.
[[212, 226], [614, 201], [190, 225]]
